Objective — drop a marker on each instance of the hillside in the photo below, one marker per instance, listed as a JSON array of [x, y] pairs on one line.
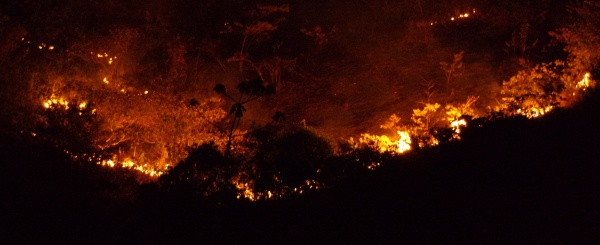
[[513, 181]]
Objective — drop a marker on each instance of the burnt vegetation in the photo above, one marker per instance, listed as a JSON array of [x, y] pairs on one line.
[[278, 122]]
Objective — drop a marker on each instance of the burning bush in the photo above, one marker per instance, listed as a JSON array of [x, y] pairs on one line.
[[535, 91]]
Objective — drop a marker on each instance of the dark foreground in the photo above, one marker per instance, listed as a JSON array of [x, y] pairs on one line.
[[514, 181]]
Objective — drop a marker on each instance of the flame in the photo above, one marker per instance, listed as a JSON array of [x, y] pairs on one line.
[[585, 82], [53, 101], [404, 142], [456, 125], [384, 144], [534, 111], [132, 165], [245, 190]]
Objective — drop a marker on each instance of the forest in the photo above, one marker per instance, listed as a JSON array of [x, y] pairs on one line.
[[285, 121]]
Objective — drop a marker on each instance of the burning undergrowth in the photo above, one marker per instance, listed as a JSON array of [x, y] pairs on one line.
[[274, 160]]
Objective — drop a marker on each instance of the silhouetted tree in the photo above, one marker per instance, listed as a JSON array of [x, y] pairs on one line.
[[249, 91]]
